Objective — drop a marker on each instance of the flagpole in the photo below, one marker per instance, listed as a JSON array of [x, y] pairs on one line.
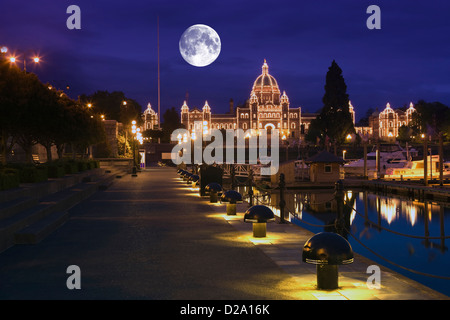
[[159, 86]]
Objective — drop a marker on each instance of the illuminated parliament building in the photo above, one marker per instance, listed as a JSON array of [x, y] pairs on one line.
[[268, 109]]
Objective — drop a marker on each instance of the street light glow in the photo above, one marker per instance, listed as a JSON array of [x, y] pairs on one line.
[[36, 59], [4, 50], [12, 59]]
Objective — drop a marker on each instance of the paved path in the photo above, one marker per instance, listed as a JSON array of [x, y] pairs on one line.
[[151, 237]]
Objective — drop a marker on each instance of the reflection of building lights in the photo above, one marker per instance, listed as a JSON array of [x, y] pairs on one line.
[[388, 209], [349, 195], [411, 213]]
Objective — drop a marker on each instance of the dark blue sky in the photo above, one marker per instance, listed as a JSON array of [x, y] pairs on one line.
[[407, 60]]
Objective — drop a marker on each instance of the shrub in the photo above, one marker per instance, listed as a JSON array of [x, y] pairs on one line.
[[56, 169], [9, 178], [71, 167], [33, 174], [82, 166]]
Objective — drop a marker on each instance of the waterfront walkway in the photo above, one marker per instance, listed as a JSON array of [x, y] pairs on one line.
[[152, 237]]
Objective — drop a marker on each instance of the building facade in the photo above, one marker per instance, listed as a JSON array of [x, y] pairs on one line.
[[267, 108], [385, 124], [150, 119]]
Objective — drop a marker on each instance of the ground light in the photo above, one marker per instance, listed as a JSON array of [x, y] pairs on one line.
[[213, 189], [259, 215], [327, 250], [231, 197]]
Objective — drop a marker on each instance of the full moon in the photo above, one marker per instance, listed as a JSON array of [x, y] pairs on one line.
[[200, 45]]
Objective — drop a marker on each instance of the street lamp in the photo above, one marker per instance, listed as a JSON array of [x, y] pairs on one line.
[[134, 131], [343, 154], [13, 59]]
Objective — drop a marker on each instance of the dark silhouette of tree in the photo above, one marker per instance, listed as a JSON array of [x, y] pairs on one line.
[[171, 122], [334, 122], [113, 107], [431, 118]]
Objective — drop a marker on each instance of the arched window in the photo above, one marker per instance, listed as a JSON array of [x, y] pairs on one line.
[[293, 125]]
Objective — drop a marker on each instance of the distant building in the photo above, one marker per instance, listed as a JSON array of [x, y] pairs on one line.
[[324, 167], [385, 124], [267, 109], [150, 119]]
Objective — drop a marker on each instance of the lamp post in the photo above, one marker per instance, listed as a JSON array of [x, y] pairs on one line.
[[133, 131], [425, 161], [13, 58]]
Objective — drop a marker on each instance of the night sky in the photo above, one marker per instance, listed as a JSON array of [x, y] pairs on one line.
[[116, 49]]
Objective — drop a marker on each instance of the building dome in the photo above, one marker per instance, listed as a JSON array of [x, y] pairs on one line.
[[149, 110], [266, 87]]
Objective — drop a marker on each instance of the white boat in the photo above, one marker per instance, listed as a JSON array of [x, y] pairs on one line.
[[391, 156], [415, 169]]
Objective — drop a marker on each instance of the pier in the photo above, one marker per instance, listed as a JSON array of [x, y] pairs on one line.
[[154, 237]]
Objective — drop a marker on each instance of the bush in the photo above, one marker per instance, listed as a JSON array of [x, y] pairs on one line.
[[82, 166], [33, 174], [29, 173], [55, 169], [94, 164], [71, 167], [9, 178]]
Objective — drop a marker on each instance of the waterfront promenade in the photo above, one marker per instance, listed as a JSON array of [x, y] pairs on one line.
[[152, 237]]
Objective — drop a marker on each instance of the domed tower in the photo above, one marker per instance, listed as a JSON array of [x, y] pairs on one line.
[[266, 88], [150, 118], [206, 116], [185, 114]]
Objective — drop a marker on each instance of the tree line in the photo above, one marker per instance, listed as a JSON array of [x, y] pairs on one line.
[[33, 112]]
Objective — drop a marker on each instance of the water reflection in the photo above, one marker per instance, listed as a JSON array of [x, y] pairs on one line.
[[401, 233]]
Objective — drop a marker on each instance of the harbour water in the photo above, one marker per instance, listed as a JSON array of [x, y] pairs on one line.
[[408, 236]]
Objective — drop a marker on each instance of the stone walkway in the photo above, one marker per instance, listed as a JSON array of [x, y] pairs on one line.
[[152, 237]]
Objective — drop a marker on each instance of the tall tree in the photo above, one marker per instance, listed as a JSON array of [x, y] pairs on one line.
[[334, 121], [171, 122], [432, 118], [113, 107]]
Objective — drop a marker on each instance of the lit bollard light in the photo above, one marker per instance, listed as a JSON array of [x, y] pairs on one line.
[[259, 215], [194, 180], [327, 250], [213, 189], [187, 177], [231, 197]]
